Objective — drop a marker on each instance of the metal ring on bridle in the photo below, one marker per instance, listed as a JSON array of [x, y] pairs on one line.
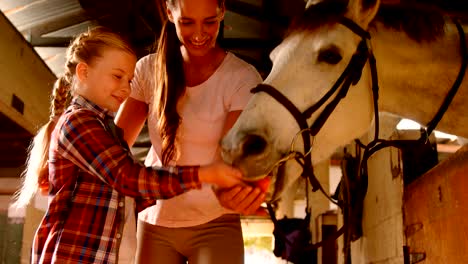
[[293, 142], [291, 155]]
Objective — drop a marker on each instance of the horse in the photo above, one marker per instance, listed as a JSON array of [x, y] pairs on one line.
[[418, 58]]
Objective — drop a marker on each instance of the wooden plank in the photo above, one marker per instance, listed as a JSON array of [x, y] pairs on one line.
[[43, 13], [25, 78], [435, 212]]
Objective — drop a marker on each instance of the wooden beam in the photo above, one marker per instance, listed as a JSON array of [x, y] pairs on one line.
[[57, 23], [447, 148], [26, 80]]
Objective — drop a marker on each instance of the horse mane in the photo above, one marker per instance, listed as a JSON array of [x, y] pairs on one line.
[[421, 22]]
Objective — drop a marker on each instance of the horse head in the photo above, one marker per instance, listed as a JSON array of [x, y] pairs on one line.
[[306, 64]]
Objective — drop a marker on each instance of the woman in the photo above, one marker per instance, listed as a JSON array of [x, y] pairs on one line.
[[191, 91]]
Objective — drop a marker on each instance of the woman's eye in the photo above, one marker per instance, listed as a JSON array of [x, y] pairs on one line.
[[118, 77]]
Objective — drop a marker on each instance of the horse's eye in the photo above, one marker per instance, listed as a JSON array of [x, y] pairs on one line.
[[330, 56]]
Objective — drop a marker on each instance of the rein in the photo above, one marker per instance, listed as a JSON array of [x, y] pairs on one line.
[[350, 76], [378, 144]]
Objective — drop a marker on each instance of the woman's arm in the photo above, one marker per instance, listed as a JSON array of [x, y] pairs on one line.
[[131, 117]]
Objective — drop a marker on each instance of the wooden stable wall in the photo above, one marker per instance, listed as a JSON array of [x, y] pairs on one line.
[[422, 222], [25, 86], [25, 80], [436, 213]]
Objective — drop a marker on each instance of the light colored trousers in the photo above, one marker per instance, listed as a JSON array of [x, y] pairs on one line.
[[216, 242]]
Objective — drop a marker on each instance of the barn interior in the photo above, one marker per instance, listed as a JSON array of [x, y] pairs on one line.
[[35, 34]]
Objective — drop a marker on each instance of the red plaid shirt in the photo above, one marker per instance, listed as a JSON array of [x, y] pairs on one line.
[[90, 173]]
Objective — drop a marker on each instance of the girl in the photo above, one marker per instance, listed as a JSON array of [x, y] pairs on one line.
[[85, 166], [191, 91]]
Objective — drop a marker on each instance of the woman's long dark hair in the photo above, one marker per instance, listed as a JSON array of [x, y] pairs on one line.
[[169, 86]]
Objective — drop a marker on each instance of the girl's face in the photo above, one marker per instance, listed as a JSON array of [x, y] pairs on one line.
[[197, 24], [106, 81]]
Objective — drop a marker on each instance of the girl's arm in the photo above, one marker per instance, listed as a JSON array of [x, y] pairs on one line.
[[83, 140]]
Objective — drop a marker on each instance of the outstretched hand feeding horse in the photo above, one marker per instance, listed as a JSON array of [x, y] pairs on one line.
[[318, 95]]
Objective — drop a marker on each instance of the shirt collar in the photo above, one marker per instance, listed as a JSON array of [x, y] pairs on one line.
[[85, 103]]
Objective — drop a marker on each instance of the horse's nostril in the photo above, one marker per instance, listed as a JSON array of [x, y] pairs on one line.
[[253, 145]]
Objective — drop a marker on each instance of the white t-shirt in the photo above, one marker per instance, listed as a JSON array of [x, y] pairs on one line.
[[203, 112]]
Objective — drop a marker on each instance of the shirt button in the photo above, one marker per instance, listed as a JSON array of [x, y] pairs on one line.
[[121, 204], [118, 235]]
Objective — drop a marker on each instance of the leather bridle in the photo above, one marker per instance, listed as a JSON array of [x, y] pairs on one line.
[[350, 76]]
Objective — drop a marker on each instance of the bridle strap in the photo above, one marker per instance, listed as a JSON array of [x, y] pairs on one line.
[[451, 94], [284, 101], [378, 144], [351, 70], [350, 75], [358, 30], [301, 121]]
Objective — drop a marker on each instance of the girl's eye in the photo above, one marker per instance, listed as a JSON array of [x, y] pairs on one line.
[[118, 77]]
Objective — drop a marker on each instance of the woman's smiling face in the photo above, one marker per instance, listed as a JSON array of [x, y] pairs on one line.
[[197, 24]]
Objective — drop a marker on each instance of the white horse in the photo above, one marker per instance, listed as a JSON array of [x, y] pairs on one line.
[[418, 59]]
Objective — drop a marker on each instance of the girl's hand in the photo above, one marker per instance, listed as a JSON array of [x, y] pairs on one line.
[[220, 174]]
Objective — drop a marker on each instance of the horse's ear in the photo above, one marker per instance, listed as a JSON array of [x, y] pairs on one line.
[[362, 11], [312, 2]]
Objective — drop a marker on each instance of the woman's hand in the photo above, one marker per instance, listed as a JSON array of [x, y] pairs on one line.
[[242, 199], [220, 174]]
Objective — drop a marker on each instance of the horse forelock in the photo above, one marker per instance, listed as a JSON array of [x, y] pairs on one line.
[[421, 22]]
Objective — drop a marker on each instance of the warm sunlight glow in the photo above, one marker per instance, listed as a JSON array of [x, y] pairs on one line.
[[410, 124]]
